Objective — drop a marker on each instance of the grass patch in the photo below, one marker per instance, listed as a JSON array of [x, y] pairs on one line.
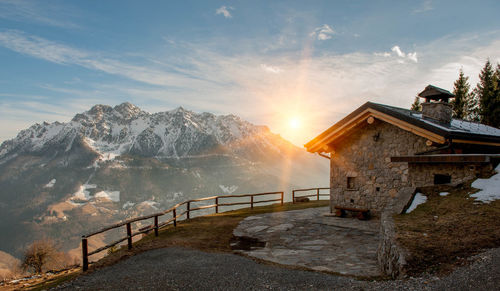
[[56, 280], [443, 232], [211, 233]]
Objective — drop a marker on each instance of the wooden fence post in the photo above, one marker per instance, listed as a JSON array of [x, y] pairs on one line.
[[251, 202], [175, 217], [282, 194], [317, 194], [85, 256], [293, 196], [216, 204], [156, 225], [129, 236], [188, 207]]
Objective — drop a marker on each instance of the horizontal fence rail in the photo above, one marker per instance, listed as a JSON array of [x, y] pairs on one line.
[[173, 220], [318, 193]]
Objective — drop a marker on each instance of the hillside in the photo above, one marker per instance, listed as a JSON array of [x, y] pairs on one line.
[[446, 225], [110, 163]]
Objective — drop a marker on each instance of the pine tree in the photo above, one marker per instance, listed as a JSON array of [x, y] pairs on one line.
[[485, 92], [461, 91], [416, 106], [495, 105]]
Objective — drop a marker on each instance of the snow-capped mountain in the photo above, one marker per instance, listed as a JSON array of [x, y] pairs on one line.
[[126, 129], [109, 163]]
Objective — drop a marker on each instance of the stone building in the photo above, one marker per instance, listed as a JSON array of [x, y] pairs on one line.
[[379, 153]]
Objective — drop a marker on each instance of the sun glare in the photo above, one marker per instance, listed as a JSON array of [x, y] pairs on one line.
[[294, 123]]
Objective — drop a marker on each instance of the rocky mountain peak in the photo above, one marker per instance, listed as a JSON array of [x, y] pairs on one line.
[[128, 110]]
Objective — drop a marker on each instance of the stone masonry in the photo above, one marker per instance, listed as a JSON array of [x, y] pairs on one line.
[[365, 157], [423, 174]]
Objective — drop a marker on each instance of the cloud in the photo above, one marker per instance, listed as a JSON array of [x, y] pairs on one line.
[[398, 52], [37, 12], [426, 6], [270, 69], [224, 10], [323, 32], [41, 48], [264, 88]]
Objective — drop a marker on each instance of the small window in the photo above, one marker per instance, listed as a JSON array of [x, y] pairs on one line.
[[441, 179], [350, 183]]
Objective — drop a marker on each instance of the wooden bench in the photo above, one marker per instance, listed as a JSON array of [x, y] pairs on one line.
[[363, 214]]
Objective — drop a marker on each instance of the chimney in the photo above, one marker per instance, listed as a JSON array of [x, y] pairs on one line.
[[436, 106]]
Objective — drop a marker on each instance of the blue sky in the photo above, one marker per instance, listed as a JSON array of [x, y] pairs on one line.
[[266, 61]]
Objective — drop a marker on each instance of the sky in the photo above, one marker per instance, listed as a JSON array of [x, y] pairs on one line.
[[295, 66]]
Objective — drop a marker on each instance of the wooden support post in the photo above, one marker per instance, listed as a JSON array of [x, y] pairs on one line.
[[188, 207], [293, 196], [175, 217], [317, 194], [129, 236], [216, 204], [251, 202], [282, 194], [156, 225], [85, 256]]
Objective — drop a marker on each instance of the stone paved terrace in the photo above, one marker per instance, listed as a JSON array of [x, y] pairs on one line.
[[308, 238]]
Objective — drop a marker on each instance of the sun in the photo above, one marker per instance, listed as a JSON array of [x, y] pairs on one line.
[[294, 123]]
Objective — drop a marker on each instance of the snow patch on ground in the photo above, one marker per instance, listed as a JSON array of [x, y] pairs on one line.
[[444, 193], [228, 189], [82, 192], [50, 184], [175, 196], [417, 200], [128, 204], [110, 195], [489, 188], [149, 203]]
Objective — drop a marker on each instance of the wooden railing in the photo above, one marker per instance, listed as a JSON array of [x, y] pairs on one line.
[[317, 194], [156, 225]]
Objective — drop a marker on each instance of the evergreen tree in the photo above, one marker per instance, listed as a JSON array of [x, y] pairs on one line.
[[416, 106], [461, 91], [495, 106], [485, 92]]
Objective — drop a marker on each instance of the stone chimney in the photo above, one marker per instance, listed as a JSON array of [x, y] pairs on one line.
[[436, 106]]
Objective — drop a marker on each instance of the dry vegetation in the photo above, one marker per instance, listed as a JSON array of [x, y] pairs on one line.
[[446, 230], [212, 233]]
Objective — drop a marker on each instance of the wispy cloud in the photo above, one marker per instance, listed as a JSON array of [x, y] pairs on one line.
[[323, 32], [262, 88], [224, 10], [425, 6], [41, 48], [36, 12]]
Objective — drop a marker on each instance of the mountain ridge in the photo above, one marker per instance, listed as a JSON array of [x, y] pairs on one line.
[[111, 163]]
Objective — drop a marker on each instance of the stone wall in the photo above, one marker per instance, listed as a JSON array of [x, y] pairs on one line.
[[366, 155], [423, 174], [391, 256]]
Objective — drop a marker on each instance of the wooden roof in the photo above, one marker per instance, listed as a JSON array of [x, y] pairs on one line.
[[435, 93]]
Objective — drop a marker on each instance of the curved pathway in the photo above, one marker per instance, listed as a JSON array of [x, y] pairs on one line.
[[186, 269]]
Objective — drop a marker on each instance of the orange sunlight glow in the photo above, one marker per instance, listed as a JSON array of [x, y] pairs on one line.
[[294, 123]]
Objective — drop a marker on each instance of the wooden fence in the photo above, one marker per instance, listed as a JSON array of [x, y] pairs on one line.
[[175, 216], [317, 194]]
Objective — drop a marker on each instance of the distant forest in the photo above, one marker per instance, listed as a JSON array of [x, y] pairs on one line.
[[481, 104]]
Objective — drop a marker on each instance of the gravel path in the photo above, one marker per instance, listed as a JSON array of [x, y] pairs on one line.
[[186, 269]]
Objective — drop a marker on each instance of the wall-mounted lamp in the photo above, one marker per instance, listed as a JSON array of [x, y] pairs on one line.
[[376, 136]]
